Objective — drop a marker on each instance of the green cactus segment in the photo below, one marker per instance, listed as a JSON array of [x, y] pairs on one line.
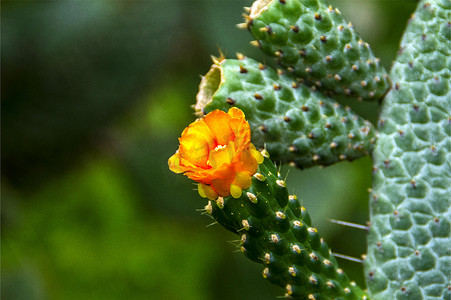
[[409, 241], [315, 43], [297, 125], [276, 232]]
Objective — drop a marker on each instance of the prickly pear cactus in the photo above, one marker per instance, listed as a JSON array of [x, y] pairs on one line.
[[249, 197], [277, 232], [291, 115], [315, 43], [409, 241], [295, 124]]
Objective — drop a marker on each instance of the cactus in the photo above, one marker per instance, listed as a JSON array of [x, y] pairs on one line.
[[277, 232], [409, 240], [315, 43], [291, 115], [296, 124]]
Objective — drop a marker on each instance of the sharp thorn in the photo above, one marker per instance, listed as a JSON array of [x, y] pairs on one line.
[[350, 258], [211, 224], [349, 224]]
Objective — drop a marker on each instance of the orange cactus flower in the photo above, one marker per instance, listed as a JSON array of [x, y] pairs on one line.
[[216, 152]]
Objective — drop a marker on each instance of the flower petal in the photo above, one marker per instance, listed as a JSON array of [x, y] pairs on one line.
[[246, 162], [221, 155], [218, 123], [174, 163], [196, 142], [207, 191], [243, 180]]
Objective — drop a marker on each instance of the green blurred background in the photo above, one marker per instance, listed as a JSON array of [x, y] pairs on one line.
[[94, 97]]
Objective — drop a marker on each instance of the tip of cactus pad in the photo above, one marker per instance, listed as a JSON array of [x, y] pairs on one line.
[[258, 7], [208, 86]]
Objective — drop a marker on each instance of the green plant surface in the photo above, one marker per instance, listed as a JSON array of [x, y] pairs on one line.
[[294, 123], [314, 42], [409, 239], [277, 232]]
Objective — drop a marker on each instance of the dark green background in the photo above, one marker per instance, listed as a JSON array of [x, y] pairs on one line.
[[94, 97]]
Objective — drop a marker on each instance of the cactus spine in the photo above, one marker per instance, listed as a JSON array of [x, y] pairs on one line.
[[296, 124], [409, 240]]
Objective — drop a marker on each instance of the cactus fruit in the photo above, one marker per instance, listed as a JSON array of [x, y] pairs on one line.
[[315, 43], [409, 239], [296, 124], [276, 232]]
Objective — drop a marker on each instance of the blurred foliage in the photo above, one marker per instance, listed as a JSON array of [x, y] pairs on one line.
[[94, 96]]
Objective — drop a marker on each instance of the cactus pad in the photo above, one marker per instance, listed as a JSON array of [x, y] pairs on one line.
[[315, 43], [295, 124], [409, 241], [277, 232]]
